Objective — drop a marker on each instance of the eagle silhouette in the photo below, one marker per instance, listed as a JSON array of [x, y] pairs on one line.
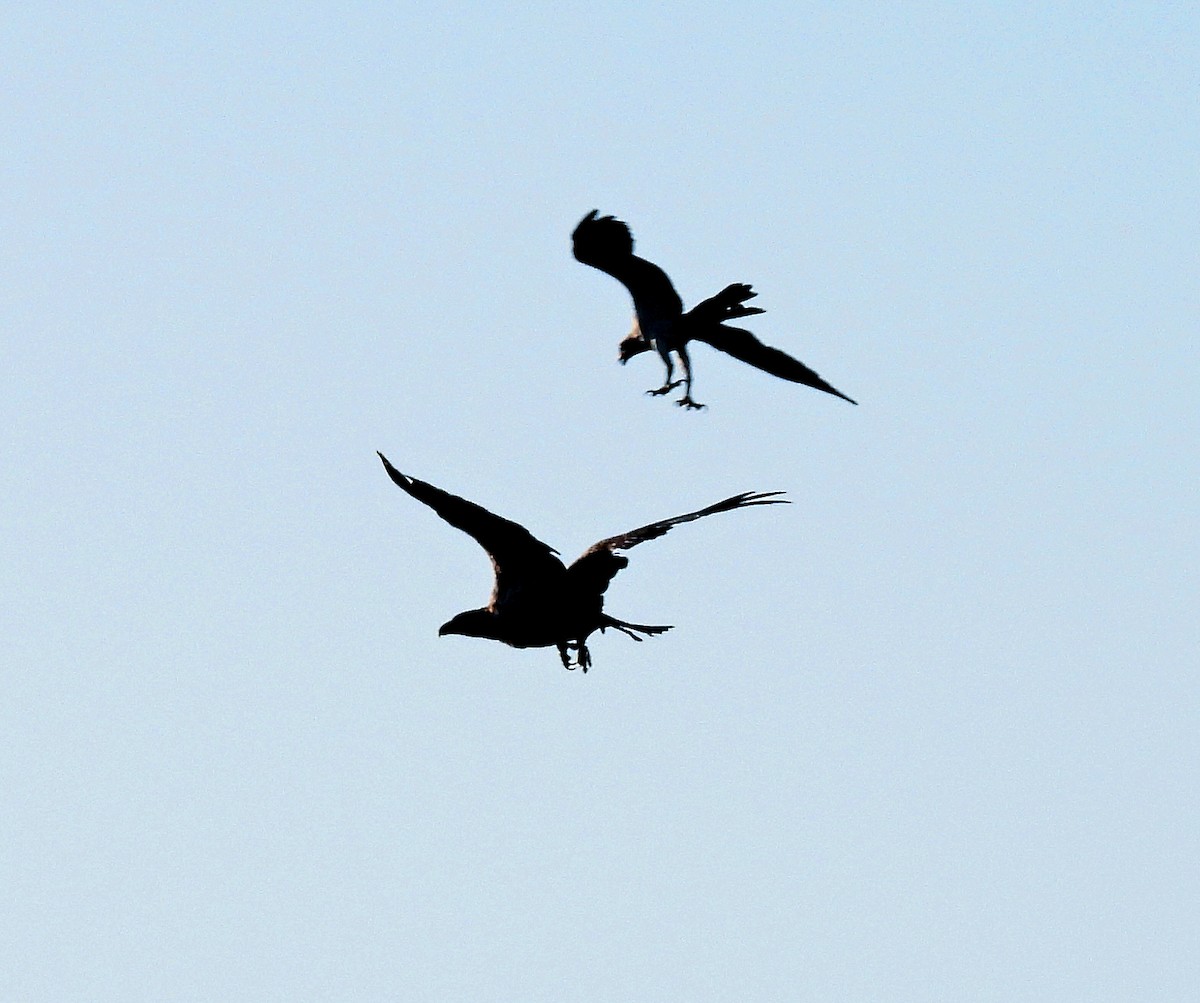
[[537, 601], [606, 243]]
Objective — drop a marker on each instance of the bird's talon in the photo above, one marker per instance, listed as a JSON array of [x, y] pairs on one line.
[[666, 388], [690, 404]]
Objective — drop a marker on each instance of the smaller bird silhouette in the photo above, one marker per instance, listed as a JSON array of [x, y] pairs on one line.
[[537, 601], [606, 243]]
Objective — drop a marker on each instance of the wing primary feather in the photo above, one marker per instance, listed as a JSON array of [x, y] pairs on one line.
[[599, 564], [501, 538], [743, 345], [651, 531], [603, 242]]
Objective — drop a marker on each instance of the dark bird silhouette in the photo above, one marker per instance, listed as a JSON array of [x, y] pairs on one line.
[[537, 601], [660, 323]]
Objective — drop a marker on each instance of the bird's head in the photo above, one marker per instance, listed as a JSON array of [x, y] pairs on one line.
[[632, 344], [472, 623]]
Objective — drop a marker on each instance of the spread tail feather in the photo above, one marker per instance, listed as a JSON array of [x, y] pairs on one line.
[[630, 629], [728, 304]]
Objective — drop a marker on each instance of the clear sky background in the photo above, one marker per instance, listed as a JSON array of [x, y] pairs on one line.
[[929, 733]]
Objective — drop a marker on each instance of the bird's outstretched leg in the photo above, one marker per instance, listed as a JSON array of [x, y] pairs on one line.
[[583, 657], [686, 400], [668, 383]]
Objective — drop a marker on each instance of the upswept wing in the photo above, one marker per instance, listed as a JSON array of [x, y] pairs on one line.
[[606, 243], [515, 552], [600, 563], [603, 242], [743, 345]]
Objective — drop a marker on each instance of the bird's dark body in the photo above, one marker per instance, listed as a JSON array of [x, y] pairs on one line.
[[548, 613]]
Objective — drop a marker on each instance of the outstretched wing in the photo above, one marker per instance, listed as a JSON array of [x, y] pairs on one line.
[[743, 345], [605, 242], [515, 552], [597, 566]]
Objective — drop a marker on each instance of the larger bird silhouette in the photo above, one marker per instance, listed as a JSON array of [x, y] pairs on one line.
[[660, 322], [537, 601]]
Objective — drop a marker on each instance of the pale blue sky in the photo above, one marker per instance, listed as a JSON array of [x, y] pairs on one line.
[[929, 733]]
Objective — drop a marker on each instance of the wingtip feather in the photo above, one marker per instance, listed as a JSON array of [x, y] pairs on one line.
[[392, 472]]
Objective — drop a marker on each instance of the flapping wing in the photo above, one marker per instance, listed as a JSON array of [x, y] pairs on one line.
[[512, 548], [743, 345], [603, 242], [597, 566], [606, 243]]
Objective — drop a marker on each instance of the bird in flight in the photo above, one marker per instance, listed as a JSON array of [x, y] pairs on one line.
[[660, 322], [537, 601]]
